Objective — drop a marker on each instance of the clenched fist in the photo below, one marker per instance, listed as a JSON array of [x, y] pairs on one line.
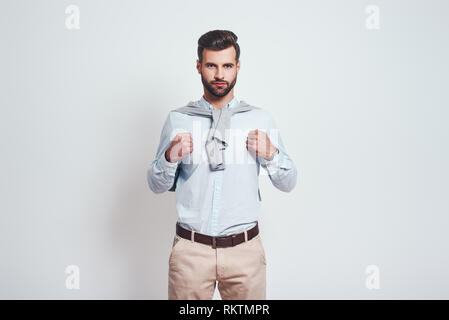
[[180, 147], [258, 143]]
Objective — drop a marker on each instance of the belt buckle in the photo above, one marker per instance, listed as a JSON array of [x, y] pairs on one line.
[[214, 241], [233, 237]]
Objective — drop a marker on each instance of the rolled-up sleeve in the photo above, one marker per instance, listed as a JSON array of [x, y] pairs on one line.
[[161, 173], [281, 169]]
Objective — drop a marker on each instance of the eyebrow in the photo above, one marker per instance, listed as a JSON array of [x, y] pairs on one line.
[[223, 63]]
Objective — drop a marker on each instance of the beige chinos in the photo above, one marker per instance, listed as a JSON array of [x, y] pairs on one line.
[[194, 269]]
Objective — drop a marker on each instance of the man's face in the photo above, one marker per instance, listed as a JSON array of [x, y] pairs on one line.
[[218, 70]]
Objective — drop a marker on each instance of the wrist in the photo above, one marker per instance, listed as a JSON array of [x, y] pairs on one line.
[[271, 157]]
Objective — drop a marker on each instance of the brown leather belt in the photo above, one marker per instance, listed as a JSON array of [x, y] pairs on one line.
[[218, 242]]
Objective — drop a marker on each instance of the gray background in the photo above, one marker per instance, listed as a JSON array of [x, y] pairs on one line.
[[363, 113]]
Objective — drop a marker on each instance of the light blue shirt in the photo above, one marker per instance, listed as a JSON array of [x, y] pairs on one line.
[[226, 201]]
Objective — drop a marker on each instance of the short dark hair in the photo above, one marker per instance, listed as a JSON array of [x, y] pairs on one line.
[[218, 40]]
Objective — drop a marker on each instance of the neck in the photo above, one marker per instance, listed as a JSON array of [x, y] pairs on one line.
[[218, 102]]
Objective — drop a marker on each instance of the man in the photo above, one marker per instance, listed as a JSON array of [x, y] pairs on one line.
[[216, 180]]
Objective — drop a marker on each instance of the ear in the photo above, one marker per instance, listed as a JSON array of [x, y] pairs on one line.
[[198, 66], [238, 66]]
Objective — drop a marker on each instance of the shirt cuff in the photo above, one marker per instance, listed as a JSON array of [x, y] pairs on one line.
[[167, 166], [270, 163]]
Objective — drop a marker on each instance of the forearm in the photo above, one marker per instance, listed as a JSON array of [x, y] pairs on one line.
[[161, 174]]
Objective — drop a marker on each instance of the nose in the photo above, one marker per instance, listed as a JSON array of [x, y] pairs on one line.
[[219, 74]]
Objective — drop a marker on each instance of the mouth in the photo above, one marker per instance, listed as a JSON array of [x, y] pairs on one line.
[[220, 84]]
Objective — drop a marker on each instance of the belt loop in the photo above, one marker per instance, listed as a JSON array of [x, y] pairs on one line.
[[193, 236], [246, 236]]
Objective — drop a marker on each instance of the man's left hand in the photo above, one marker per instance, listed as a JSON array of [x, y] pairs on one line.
[[258, 143]]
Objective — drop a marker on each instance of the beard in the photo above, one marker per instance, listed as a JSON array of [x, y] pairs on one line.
[[215, 91]]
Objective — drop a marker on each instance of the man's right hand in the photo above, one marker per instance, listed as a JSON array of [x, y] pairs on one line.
[[180, 147]]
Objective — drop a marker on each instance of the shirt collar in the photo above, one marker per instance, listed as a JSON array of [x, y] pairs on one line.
[[233, 103]]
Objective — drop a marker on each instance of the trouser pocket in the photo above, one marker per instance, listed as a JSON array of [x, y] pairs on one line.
[[177, 241]]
